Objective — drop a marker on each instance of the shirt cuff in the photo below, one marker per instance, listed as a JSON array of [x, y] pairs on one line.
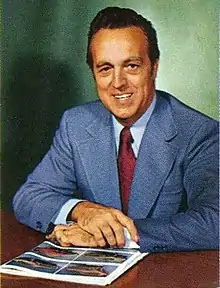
[[65, 210]]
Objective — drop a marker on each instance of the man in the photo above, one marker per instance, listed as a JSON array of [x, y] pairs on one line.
[[136, 159]]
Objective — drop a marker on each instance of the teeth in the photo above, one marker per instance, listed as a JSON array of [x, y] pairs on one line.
[[123, 96]]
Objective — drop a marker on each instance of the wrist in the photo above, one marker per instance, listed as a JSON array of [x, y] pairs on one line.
[[77, 210]]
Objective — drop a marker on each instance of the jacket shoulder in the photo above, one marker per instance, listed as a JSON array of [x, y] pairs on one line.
[[77, 119], [91, 109], [184, 115]]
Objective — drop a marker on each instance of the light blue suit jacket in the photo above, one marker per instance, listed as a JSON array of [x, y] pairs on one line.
[[174, 193]]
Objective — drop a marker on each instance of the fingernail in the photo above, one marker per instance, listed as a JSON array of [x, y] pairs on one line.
[[136, 238]]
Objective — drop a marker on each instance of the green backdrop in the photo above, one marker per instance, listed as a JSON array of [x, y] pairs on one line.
[[44, 70]]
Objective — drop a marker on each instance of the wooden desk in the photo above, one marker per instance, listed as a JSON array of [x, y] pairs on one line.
[[185, 270]]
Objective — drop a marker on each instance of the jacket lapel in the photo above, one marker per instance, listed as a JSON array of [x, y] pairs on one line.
[[98, 154], [156, 156]]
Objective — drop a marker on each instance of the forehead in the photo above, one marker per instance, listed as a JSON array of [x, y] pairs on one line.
[[130, 41]]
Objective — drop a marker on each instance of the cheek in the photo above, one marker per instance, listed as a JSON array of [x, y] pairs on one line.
[[144, 82], [102, 84], [139, 80]]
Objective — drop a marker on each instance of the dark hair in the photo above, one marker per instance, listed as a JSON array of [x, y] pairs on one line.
[[116, 17]]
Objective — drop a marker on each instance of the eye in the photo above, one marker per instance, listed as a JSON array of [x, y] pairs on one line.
[[132, 66], [104, 69]]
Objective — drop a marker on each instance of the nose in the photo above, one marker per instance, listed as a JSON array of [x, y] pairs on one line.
[[119, 79]]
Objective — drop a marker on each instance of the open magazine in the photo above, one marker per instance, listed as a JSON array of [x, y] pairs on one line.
[[74, 264]]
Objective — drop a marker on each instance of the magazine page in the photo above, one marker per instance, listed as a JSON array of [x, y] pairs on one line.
[[74, 264]]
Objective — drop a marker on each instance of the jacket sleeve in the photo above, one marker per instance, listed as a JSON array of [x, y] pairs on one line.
[[51, 184], [198, 226]]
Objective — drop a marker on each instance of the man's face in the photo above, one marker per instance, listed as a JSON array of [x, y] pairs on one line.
[[123, 72]]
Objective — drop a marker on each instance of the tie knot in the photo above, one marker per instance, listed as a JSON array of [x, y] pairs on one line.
[[125, 135]]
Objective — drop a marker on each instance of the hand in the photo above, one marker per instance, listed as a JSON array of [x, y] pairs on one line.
[[72, 235], [104, 223]]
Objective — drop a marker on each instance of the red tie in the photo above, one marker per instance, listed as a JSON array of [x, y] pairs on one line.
[[126, 164]]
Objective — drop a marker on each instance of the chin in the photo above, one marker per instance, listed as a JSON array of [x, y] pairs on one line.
[[123, 114], [124, 120]]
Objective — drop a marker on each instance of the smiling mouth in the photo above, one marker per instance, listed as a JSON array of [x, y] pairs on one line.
[[123, 96]]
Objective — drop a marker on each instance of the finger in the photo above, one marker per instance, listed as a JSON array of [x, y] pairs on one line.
[[61, 238], [49, 237], [119, 233], [61, 227], [100, 240], [108, 234], [88, 241], [56, 228], [94, 230], [79, 237], [128, 223]]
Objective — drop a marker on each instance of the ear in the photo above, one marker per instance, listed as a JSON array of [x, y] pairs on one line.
[[155, 69]]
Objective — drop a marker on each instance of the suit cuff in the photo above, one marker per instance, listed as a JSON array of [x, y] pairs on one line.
[[65, 210]]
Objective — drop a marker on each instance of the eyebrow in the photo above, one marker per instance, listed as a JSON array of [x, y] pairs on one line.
[[139, 59], [102, 63]]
